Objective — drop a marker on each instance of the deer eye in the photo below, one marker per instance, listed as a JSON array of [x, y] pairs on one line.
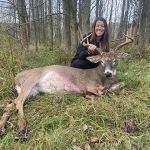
[[102, 63]]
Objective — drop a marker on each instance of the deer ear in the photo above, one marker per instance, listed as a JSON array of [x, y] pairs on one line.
[[93, 59]]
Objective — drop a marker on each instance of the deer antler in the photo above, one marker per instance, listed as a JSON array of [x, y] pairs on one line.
[[123, 44], [82, 41], [85, 38]]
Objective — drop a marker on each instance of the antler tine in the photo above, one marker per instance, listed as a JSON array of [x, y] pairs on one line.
[[128, 37], [85, 39], [125, 43], [87, 44], [88, 41]]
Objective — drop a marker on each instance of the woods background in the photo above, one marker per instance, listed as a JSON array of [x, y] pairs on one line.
[[36, 22], [37, 33]]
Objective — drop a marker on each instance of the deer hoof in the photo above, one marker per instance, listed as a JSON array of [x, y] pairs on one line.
[[2, 132], [22, 126]]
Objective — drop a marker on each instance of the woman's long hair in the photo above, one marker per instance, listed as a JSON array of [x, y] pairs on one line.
[[105, 37]]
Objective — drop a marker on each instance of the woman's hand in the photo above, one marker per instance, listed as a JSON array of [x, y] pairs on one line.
[[91, 48]]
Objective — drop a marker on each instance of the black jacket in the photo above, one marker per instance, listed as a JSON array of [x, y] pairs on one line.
[[80, 61]]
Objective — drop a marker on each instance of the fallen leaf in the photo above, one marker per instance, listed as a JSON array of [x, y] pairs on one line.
[[87, 147], [94, 139], [74, 140], [77, 148], [85, 127], [99, 145]]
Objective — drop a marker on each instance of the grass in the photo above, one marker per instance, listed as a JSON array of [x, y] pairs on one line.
[[61, 122]]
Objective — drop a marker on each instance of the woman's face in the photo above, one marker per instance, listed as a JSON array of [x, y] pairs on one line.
[[99, 28]]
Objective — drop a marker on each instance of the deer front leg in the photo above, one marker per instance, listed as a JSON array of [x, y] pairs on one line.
[[100, 89], [5, 117], [116, 88], [97, 90]]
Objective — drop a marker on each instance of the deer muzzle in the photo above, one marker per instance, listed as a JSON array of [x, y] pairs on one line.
[[108, 74]]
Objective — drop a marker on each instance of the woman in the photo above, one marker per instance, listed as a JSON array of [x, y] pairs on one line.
[[98, 39]]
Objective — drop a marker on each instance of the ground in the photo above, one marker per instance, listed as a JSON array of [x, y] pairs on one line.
[[66, 122]]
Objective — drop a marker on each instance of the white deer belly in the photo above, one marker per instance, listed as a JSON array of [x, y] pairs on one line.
[[53, 82]]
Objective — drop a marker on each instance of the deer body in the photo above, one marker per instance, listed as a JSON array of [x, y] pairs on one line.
[[62, 79]]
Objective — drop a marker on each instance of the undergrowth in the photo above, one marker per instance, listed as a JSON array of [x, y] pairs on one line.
[[66, 122]]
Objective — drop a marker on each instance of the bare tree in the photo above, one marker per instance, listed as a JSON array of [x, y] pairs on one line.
[[148, 24], [50, 17], [126, 16], [79, 14], [74, 24], [34, 24], [23, 19], [121, 26], [58, 35], [110, 19], [97, 8], [85, 14], [67, 24], [45, 21], [142, 29]]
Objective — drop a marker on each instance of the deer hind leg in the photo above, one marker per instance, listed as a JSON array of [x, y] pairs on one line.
[[19, 106], [5, 117], [26, 90]]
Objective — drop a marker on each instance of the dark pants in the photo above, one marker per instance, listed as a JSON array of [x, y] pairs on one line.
[[83, 64]]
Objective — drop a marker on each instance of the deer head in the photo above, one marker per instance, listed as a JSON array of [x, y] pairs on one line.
[[108, 60]]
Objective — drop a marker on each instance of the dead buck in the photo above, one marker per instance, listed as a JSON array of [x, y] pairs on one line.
[[63, 79]]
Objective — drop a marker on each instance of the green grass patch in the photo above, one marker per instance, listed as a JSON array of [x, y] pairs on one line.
[[60, 122]]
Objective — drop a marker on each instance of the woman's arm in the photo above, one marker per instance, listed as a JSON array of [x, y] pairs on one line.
[[82, 52]]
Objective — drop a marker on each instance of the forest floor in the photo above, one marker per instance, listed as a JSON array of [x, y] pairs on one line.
[[66, 122]]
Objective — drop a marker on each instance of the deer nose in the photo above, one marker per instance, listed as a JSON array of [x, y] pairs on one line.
[[108, 74]]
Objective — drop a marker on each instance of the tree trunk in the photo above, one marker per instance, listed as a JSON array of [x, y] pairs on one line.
[[23, 19], [79, 15], [97, 8], [142, 29], [74, 23], [46, 21], [67, 24], [110, 18], [58, 35], [115, 24], [85, 14], [34, 25], [50, 24], [126, 17], [148, 23], [121, 26], [38, 22]]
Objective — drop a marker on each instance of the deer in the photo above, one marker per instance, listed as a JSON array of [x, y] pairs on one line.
[[64, 79]]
